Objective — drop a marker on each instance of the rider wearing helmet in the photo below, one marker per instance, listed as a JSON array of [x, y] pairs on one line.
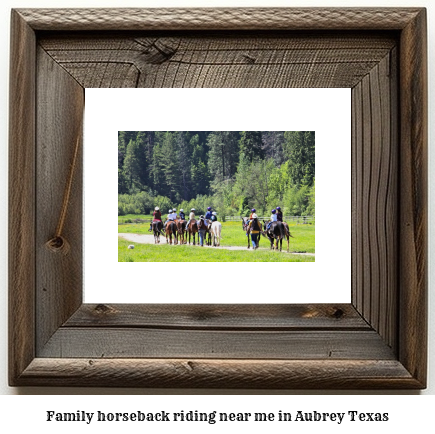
[[182, 215], [157, 216], [207, 216], [168, 218], [273, 218], [191, 217], [278, 214], [252, 213], [214, 217]]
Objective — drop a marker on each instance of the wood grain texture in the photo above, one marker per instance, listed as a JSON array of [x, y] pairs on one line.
[[413, 187], [21, 197], [233, 343], [220, 18], [240, 374], [220, 317], [59, 279], [378, 342], [375, 198], [236, 60]]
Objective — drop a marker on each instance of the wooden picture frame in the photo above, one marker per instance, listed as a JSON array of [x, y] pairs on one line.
[[378, 341]]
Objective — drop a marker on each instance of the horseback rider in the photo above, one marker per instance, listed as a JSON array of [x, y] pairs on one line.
[[273, 218], [182, 215], [252, 213], [170, 217], [278, 214], [157, 216], [208, 216], [214, 217], [174, 212], [255, 229], [201, 230], [191, 217]]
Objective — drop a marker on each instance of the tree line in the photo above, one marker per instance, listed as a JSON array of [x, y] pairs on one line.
[[232, 171]]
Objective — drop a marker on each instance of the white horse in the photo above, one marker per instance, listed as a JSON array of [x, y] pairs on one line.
[[216, 229]]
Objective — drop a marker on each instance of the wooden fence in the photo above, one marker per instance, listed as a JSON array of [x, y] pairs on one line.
[[302, 220]]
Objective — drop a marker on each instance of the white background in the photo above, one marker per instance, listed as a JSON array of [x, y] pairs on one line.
[[410, 412], [325, 111]]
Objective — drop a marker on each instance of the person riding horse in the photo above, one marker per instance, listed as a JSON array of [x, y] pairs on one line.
[[273, 218], [279, 214]]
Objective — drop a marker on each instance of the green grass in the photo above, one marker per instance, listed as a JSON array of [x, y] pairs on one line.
[[123, 218], [233, 235], [177, 253]]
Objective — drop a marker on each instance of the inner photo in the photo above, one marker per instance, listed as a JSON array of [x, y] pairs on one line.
[[216, 196]]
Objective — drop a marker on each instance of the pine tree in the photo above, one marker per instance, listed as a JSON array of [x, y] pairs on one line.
[[299, 149], [251, 145]]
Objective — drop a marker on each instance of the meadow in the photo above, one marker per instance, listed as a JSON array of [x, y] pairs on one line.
[[303, 241]]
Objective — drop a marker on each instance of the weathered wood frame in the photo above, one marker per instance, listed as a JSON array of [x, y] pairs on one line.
[[377, 341]]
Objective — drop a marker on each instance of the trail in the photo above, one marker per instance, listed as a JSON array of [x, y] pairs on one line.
[[149, 239]]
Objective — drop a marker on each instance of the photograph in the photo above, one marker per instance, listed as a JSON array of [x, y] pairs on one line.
[[234, 191]]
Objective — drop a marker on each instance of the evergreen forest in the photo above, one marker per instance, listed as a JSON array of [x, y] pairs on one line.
[[231, 171]]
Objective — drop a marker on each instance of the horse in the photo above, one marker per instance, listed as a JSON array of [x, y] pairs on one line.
[[181, 228], [171, 229], [157, 227], [208, 234], [192, 229], [276, 232], [216, 229], [245, 224]]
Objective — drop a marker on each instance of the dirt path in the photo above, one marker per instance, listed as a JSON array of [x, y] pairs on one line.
[[149, 239]]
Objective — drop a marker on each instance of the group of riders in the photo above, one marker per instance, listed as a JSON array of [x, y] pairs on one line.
[[254, 227], [202, 223]]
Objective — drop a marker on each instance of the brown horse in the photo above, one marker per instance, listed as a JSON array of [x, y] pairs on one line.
[[192, 229], [157, 227], [245, 226], [171, 229], [181, 228]]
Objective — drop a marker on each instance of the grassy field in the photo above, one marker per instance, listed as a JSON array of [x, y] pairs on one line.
[[232, 235], [170, 253]]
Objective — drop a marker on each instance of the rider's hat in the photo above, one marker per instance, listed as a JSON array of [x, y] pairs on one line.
[[170, 211], [253, 210], [156, 208], [273, 211], [254, 216], [193, 209], [278, 208], [182, 210], [214, 212]]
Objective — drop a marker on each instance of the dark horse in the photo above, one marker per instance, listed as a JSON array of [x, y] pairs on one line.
[[171, 229], [192, 229], [245, 224], [276, 232], [156, 227]]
